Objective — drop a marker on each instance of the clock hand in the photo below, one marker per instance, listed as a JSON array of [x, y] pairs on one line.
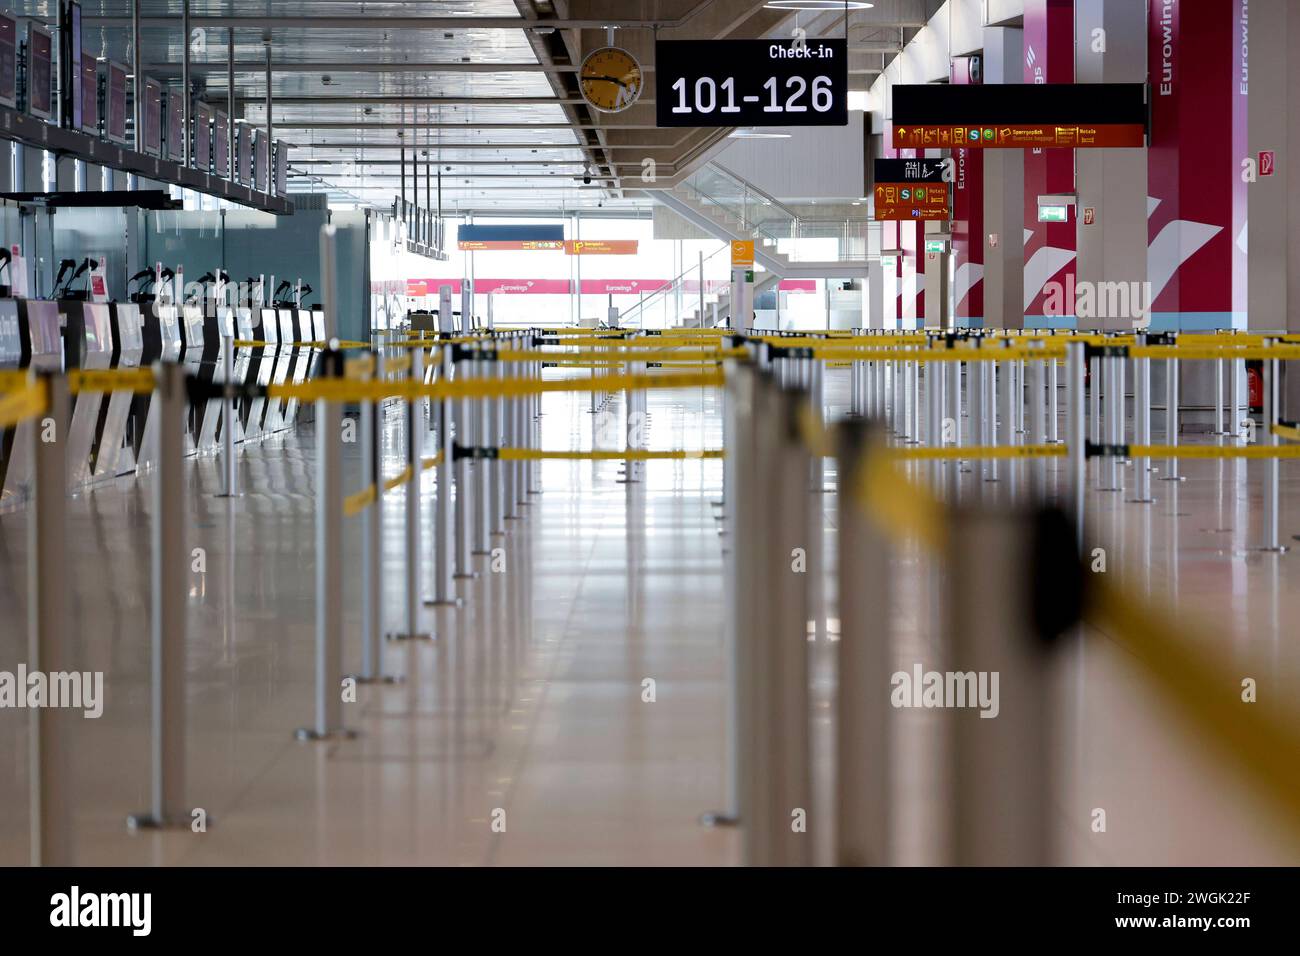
[[606, 79]]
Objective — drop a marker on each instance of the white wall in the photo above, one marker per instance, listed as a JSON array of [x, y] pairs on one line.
[[785, 168]]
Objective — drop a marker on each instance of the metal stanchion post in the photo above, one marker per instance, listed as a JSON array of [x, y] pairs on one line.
[[506, 438], [1053, 435], [1171, 418], [483, 467], [444, 543], [1272, 541], [1235, 418], [50, 743], [415, 430], [1114, 401], [991, 414], [168, 596], [1037, 424], [1218, 397], [229, 481], [1142, 424], [1009, 391], [1094, 404], [1076, 429], [372, 535], [329, 561], [1000, 796], [864, 660], [464, 494]]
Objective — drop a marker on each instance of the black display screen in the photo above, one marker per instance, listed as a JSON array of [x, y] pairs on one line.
[[88, 80], [751, 82], [40, 53], [8, 61], [221, 144], [115, 103]]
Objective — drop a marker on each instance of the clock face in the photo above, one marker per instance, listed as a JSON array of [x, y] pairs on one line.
[[610, 79]]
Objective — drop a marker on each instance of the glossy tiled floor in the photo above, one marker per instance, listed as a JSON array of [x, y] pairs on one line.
[[530, 700]]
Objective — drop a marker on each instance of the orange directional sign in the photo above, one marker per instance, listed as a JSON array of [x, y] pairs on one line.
[[742, 253], [600, 247]]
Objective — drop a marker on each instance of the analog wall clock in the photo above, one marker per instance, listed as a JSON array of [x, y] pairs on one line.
[[610, 79]]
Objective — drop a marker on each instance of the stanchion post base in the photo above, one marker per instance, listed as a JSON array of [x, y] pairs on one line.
[[447, 602], [381, 679], [147, 821], [1138, 501], [311, 734], [1280, 549], [719, 818], [402, 636], [466, 576], [222, 494], [1171, 478]]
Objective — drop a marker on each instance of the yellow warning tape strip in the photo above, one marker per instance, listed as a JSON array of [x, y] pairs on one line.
[[1214, 451], [138, 380], [1198, 352], [341, 390], [634, 454], [588, 355], [21, 404], [1289, 432], [977, 452], [989, 354], [257, 344], [356, 503], [1260, 736], [398, 365], [363, 366], [901, 507], [14, 380]]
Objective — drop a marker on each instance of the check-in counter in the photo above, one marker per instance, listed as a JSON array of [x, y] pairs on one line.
[[192, 360], [113, 452], [302, 356], [11, 359], [250, 366], [216, 324], [88, 345], [266, 328], [286, 356], [162, 343], [40, 342]]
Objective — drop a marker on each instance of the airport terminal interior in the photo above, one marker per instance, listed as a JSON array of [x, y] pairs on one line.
[[649, 433]]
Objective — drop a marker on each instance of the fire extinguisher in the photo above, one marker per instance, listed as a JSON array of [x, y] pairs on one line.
[[1255, 387]]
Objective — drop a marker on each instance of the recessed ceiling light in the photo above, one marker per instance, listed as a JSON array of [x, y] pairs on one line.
[[817, 5], [749, 132]]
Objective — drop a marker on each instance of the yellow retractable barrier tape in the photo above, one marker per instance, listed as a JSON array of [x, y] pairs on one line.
[[636, 454], [1289, 432], [357, 503], [21, 404], [1206, 692], [14, 380], [588, 355], [977, 452], [1203, 353], [341, 390], [258, 343], [1214, 451], [363, 366], [989, 354], [400, 364], [900, 506], [138, 380], [399, 479]]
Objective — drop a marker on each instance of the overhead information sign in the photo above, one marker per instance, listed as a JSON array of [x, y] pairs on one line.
[[600, 247], [1019, 116], [910, 189], [796, 82], [510, 238]]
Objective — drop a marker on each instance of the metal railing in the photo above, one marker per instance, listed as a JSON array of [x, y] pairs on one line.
[[682, 295]]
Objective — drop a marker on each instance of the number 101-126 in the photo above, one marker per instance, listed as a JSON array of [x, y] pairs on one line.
[[707, 98]]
